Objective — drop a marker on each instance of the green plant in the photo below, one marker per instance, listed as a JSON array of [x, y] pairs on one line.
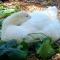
[[10, 51], [23, 45], [41, 45], [58, 49], [6, 11], [45, 49]]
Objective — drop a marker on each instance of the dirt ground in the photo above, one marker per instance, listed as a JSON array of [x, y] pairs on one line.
[[25, 6], [28, 6]]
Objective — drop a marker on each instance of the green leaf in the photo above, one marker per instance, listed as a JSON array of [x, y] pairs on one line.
[[10, 50], [23, 45], [45, 50], [58, 49]]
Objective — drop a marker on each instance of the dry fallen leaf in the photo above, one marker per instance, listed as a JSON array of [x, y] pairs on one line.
[[56, 57]]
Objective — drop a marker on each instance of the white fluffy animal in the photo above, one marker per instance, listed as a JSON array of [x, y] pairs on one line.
[[13, 23], [53, 28], [43, 21]]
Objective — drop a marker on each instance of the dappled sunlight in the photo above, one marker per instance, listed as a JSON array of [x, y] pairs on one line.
[[25, 6]]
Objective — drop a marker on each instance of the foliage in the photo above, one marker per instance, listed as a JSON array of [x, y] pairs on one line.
[[45, 50], [5, 11], [10, 50], [1, 23], [42, 46], [58, 49], [23, 45]]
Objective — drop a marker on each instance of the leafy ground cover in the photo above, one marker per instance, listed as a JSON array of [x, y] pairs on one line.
[[43, 49]]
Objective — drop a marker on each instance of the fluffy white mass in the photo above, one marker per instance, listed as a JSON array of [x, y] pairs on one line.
[[45, 21]]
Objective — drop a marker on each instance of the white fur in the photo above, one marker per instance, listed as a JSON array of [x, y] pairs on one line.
[[14, 20], [44, 21]]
